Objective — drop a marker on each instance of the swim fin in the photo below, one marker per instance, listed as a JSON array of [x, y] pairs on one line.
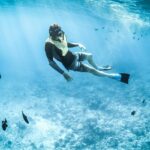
[[125, 77], [122, 77]]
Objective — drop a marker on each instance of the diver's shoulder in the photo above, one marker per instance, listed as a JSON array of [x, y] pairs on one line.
[[48, 42], [48, 45]]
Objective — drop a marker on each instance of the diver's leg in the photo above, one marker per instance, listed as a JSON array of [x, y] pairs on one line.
[[89, 58], [123, 77], [87, 68], [91, 62]]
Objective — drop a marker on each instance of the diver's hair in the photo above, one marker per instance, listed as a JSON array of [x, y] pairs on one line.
[[54, 27]]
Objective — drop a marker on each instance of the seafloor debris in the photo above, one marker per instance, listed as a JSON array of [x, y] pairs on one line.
[[25, 118], [4, 124], [133, 112]]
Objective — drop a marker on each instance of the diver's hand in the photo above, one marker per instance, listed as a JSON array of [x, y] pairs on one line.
[[82, 47], [67, 77]]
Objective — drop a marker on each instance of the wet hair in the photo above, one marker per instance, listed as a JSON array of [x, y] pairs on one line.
[[55, 30]]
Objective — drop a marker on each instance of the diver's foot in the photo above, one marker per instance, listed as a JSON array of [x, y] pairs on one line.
[[104, 68]]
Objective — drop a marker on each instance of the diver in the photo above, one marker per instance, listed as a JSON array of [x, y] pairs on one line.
[[56, 47]]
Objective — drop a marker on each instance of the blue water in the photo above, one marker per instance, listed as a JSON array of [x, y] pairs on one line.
[[89, 113]]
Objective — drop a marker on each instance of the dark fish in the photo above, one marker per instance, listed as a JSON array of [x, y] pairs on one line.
[[25, 118], [133, 112], [0, 76], [4, 124]]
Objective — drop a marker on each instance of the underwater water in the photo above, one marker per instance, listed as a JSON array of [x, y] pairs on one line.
[[89, 113]]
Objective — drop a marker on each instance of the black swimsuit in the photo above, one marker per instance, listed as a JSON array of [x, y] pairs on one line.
[[53, 52]]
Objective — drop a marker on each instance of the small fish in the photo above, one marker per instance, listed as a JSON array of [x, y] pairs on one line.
[[133, 112], [0, 76], [96, 29], [25, 118], [4, 124], [103, 27], [143, 101], [134, 32]]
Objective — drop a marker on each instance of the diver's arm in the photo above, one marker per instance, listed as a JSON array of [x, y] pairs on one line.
[[49, 53], [49, 49], [53, 64], [70, 45], [58, 69], [82, 47]]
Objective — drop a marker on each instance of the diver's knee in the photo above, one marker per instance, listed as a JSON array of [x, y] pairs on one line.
[[86, 68], [91, 70], [90, 56]]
